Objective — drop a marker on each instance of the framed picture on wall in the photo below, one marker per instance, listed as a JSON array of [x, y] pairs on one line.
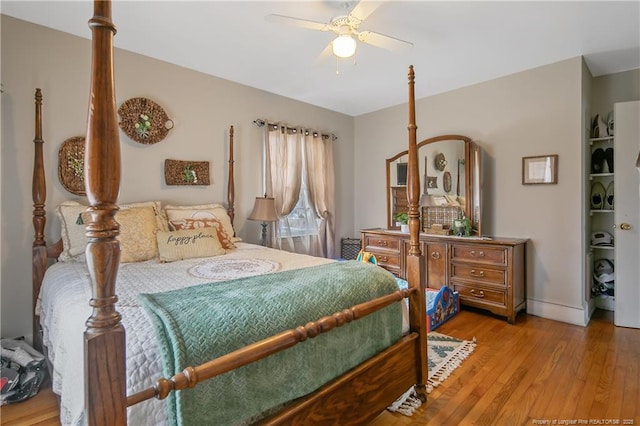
[[540, 169]]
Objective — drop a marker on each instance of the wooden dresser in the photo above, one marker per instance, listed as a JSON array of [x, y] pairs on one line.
[[487, 273]]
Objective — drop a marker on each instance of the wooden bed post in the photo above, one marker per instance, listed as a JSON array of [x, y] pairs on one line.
[[415, 259], [39, 195], [230, 182], [104, 337]]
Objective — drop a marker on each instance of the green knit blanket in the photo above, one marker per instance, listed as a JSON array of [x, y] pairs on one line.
[[203, 322]]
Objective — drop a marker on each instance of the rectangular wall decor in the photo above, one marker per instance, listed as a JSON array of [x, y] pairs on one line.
[[540, 169], [178, 172]]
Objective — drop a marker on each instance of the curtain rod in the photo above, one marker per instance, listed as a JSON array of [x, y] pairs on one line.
[[261, 123]]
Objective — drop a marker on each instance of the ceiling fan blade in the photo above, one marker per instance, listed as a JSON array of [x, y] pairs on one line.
[[363, 9], [326, 53], [383, 41], [289, 20]]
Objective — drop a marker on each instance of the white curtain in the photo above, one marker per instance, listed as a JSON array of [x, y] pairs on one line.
[[319, 162], [283, 168], [284, 179]]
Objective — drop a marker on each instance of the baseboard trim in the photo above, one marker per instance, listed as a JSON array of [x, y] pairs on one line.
[[553, 311]]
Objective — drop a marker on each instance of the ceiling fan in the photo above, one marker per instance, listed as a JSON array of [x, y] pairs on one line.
[[346, 29]]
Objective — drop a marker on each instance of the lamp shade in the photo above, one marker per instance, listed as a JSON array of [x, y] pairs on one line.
[[344, 46], [264, 210], [426, 201]]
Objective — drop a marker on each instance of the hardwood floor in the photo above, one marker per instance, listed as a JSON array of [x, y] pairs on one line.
[[535, 370], [41, 410]]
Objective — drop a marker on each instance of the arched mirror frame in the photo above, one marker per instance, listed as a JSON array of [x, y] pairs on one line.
[[472, 184]]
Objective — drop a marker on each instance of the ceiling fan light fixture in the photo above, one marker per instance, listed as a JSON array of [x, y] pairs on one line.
[[344, 46]]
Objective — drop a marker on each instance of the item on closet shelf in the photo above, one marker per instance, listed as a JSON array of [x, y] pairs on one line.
[[608, 199], [597, 160], [610, 124], [608, 156], [144, 121], [603, 277], [599, 128], [71, 165], [601, 238], [597, 196]]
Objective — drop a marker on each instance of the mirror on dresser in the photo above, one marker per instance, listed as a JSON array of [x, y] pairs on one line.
[[449, 181]]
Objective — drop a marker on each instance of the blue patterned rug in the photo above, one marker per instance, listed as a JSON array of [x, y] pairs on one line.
[[445, 354]]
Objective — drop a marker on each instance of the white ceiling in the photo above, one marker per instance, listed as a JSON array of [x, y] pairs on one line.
[[456, 44]]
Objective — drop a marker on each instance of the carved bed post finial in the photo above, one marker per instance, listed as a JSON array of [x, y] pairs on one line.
[[413, 179], [104, 338], [230, 182]]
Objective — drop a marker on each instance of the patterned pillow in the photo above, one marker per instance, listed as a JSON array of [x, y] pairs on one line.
[[188, 243], [73, 223], [223, 237], [137, 234]]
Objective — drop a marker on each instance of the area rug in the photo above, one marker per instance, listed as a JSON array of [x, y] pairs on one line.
[[445, 354]]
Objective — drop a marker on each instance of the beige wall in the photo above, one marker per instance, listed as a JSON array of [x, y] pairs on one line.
[[612, 88], [202, 107], [530, 113]]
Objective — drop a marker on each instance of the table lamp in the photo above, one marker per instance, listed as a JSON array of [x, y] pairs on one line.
[[264, 210]]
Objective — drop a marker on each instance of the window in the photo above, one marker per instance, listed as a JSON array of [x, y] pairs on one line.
[[302, 221]]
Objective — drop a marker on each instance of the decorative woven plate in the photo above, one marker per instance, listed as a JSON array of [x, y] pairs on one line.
[[144, 121], [178, 172], [71, 165]]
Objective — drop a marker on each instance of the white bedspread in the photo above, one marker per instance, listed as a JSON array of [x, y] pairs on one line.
[[63, 308]]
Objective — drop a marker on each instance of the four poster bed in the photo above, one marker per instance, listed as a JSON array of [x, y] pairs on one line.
[[253, 366]]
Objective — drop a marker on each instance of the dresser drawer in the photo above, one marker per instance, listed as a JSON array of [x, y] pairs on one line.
[[373, 242], [479, 295], [477, 273], [390, 262], [496, 256]]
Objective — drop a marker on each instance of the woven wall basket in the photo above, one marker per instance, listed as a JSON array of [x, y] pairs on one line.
[[71, 165], [177, 172], [144, 121]]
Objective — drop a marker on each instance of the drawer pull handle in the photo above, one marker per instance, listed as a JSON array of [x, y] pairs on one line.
[[382, 243], [477, 274], [384, 259], [477, 254], [435, 255], [479, 294]]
